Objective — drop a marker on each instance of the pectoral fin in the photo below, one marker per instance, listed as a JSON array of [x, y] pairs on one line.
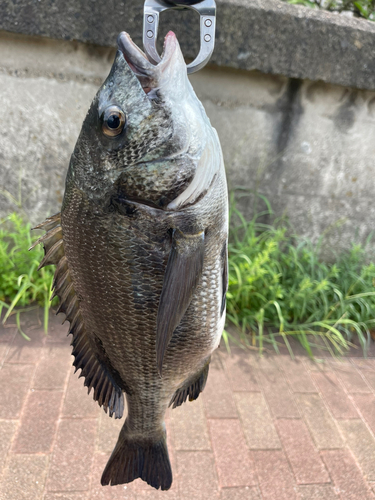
[[181, 278]]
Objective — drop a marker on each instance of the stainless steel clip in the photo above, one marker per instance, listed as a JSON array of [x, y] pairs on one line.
[[207, 11]]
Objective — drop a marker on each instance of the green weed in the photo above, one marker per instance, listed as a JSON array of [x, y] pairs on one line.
[[279, 287], [21, 284], [360, 8]]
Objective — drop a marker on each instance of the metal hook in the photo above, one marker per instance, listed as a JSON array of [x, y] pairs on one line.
[[207, 11]]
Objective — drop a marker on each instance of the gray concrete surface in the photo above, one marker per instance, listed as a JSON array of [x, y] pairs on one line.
[[268, 35], [307, 145]]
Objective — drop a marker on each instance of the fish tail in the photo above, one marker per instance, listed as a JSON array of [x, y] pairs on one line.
[[135, 457]]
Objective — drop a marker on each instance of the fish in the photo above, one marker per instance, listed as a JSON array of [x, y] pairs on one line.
[[140, 249]]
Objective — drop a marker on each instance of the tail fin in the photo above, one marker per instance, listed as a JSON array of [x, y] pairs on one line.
[[145, 458]]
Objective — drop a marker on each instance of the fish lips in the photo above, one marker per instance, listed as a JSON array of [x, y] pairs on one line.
[[149, 75]]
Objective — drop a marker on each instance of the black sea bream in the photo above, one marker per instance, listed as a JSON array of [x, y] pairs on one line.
[[140, 249]]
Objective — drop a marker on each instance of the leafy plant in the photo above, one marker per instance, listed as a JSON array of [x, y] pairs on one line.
[[360, 8], [279, 287], [21, 284]]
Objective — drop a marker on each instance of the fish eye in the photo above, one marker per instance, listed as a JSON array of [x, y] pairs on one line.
[[113, 121]]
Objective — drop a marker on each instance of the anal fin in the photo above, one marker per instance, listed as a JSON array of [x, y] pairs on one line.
[[192, 388], [98, 376]]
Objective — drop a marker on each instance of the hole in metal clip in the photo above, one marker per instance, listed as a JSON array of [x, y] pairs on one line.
[[186, 25]]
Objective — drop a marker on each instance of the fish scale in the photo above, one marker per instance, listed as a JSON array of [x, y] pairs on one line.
[[140, 253]]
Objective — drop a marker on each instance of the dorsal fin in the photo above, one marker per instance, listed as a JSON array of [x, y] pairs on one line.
[[106, 391]]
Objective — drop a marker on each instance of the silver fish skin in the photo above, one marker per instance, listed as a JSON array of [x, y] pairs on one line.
[[140, 249]]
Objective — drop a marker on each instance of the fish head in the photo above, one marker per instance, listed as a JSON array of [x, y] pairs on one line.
[[143, 114]]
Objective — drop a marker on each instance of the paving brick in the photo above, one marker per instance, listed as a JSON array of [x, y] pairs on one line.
[[232, 457], [276, 390], [7, 430], [196, 475], [38, 422], [350, 377], [275, 478], [367, 369], [24, 477], [53, 367], [190, 426], [247, 493], [322, 426], [72, 456], [334, 395], [317, 492], [364, 363], [303, 457], [77, 403], [362, 444], [217, 395], [366, 405], [26, 351], [14, 384], [58, 332], [256, 421], [346, 475], [99, 492], [316, 365], [239, 370], [108, 431], [296, 373], [7, 332], [370, 378], [66, 496], [152, 494], [4, 348]]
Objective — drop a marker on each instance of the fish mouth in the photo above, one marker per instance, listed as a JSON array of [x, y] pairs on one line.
[[147, 73]]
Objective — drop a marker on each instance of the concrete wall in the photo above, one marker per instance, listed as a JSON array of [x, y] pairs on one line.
[[307, 145]]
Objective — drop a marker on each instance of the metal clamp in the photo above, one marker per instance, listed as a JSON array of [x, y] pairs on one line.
[[207, 11]]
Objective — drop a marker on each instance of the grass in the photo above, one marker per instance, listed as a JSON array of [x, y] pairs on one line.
[[278, 285], [21, 284], [360, 8], [280, 288]]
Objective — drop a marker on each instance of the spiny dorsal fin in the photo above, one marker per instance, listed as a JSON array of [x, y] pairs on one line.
[[53, 254], [106, 391], [50, 222], [56, 231]]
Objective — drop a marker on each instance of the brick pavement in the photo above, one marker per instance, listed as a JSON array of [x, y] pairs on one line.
[[264, 429]]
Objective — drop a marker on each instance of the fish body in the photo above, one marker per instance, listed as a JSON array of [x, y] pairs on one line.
[[141, 252]]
